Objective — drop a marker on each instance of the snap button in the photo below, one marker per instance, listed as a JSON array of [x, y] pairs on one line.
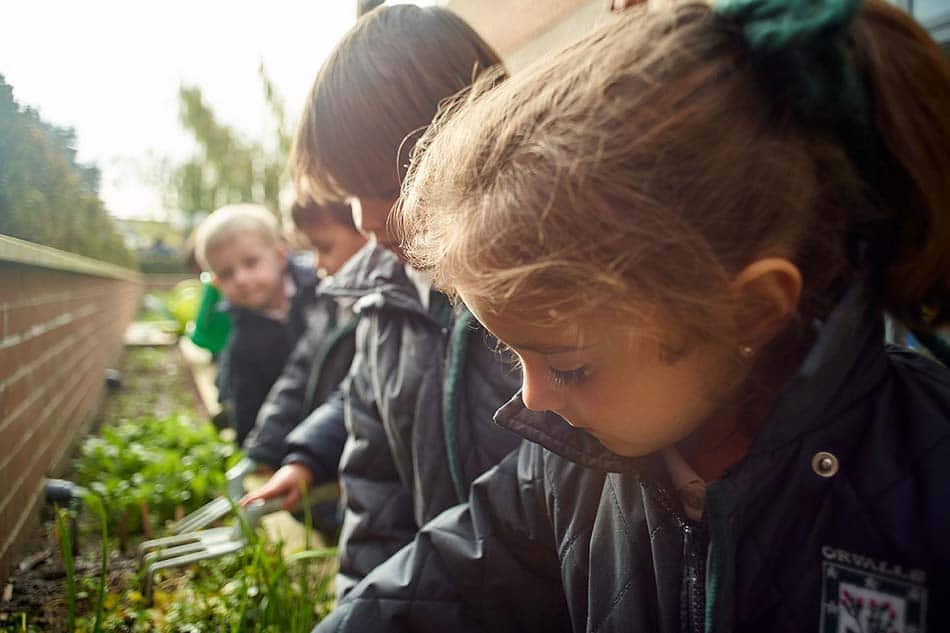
[[824, 464]]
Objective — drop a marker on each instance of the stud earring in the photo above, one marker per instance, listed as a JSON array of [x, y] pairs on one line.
[[746, 351]]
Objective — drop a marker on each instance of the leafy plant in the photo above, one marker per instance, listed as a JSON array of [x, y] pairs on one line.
[[257, 589], [146, 470], [65, 536]]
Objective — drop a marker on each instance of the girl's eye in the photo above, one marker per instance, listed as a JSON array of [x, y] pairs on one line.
[[571, 377]]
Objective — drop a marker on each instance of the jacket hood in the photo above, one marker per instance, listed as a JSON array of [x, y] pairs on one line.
[[849, 343]]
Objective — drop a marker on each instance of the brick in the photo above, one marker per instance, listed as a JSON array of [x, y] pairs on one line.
[[15, 393]]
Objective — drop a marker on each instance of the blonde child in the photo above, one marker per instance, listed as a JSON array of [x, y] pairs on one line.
[[687, 227], [269, 294]]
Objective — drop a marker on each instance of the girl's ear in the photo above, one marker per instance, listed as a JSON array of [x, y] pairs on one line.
[[767, 291]]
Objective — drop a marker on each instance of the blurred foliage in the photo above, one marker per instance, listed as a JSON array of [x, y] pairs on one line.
[[147, 467], [227, 167], [45, 195], [149, 263]]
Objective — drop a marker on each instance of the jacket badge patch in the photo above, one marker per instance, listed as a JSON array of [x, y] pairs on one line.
[[861, 594]]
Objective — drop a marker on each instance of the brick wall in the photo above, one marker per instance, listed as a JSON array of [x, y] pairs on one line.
[[61, 323]]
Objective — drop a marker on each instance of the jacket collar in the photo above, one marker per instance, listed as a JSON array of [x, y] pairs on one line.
[[553, 433], [375, 278], [843, 365], [846, 362]]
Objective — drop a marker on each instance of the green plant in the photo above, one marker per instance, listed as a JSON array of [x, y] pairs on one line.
[[258, 589], [93, 502], [148, 469], [16, 623], [64, 535]]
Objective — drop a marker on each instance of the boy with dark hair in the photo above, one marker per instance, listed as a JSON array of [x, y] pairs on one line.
[[425, 379], [322, 357]]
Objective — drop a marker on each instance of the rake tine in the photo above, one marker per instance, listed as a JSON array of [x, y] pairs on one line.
[[206, 541], [220, 506], [203, 516], [213, 550], [182, 539], [235, 477]]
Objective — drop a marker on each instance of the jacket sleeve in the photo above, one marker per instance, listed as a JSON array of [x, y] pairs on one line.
[[378, 513], [488, 566], [284, 407], [317, 442]]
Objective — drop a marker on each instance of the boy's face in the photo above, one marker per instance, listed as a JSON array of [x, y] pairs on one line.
[[371, 216], [249, 271], [333, 243]]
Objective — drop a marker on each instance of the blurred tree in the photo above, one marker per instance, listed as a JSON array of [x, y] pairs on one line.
[[45, 195], [365, 6], [226, 167]]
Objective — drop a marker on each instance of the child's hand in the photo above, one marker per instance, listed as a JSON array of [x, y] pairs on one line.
[[289, 481]]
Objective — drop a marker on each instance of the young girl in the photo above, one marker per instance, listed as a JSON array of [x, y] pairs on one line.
[[425, 380], [686, 227]]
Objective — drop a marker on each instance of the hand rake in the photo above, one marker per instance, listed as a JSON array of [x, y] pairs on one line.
[[221, 506], [184, 549]]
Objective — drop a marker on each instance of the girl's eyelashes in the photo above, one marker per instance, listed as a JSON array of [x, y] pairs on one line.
[[572, 377]]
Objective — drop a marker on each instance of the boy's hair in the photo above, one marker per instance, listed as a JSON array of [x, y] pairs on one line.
[[381, 84], [228, 221], [640, 170], [307, 211]]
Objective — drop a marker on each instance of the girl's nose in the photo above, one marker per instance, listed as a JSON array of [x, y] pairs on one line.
[[538, 393]]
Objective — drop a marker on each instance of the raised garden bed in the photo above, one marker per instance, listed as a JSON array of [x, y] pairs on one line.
[[152, 459]]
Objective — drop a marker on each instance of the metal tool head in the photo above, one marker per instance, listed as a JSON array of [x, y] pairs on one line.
[[184, 549], [221, 506]]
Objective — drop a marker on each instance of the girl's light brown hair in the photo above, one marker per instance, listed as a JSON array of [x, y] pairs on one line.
[[381, 84], [640, 170]]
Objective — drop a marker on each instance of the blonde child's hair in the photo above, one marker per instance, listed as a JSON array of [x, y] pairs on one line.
[[224, 223], [638, 172]]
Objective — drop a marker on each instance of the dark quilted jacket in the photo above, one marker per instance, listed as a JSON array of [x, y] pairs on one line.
[[838, 519], [258, 348], [315, 369], [419, 401]]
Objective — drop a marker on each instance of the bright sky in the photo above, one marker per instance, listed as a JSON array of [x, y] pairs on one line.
[[111, 70]]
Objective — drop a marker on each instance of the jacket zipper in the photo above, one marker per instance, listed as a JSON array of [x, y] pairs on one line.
[[693, 595]]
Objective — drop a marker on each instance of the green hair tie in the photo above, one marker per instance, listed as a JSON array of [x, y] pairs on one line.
[[798, 46], [771, 26], [798, 50]]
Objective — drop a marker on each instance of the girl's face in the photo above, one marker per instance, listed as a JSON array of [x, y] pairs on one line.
[[371, 216], [618, 386]]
